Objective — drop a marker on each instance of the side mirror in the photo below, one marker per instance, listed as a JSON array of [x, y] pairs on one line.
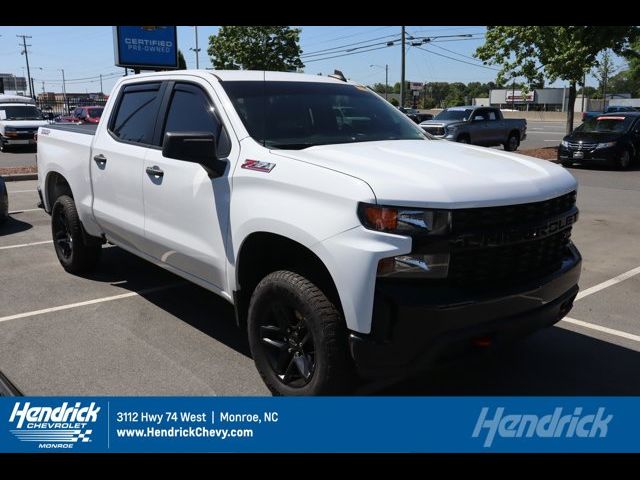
[[194, 147]]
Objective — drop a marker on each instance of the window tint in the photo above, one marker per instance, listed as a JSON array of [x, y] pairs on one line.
[[136, 115], [297, 115], [492, 115], [191, 111], [480, 115]]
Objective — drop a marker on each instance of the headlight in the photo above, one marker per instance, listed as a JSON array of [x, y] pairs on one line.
[[405, 221], [564, 143], [606, 145]]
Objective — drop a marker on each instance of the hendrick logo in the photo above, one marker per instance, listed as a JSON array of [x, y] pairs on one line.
[[554, 425], [60, 426]]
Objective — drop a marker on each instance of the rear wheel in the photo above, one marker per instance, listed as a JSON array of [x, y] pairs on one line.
[[298, 337], [513, 142], [76, 251]]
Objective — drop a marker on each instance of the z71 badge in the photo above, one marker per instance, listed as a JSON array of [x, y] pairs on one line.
[[258, 166]]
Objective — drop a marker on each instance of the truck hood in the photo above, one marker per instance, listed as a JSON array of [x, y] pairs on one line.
[[441, 174], [23, 123], [439, 123]]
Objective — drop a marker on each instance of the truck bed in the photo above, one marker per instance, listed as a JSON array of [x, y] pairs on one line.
[[86, 129]]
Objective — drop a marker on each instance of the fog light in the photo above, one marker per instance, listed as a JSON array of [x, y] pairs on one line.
[[434, 265]]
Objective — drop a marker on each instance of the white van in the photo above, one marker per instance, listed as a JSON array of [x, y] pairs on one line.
[[19, 121]]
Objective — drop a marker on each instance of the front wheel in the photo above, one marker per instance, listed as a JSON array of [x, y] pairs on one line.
[[624, 162], [76, 251], [463, 139], [298, 337]]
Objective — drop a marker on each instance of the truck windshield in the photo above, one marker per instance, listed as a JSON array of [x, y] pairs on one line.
[[20, 112], [606, 124], [298, 115], [453, 115]]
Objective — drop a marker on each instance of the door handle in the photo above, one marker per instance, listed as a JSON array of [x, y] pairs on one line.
[[155, 171], [100, 159]]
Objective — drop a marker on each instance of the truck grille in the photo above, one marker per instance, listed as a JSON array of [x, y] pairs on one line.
[[515, 262], [434, 130], [472, 219]]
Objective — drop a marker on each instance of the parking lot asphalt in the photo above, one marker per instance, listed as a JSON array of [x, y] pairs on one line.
[[132, 328], [544, 134]]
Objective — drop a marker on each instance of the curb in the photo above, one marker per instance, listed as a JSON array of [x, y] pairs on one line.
[[20, 176]]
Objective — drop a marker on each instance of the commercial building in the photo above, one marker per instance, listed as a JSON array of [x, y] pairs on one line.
[[539, 99], [13, 84]]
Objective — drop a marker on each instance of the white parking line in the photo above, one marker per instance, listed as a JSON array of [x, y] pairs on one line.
[[608, 283], [599, 328], [22, 191], [89, 302], [7, 247], [25, 210]]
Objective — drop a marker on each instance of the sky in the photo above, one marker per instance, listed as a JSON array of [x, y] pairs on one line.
[[86, 52]]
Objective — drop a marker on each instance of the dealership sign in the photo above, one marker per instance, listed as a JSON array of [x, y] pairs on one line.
[[146, 47], [518, 96], [415, 85]]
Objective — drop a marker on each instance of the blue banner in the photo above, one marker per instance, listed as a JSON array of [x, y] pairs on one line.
[[322, 425], [146, 47]]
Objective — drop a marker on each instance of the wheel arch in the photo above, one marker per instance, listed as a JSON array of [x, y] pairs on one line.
[[55, 185], [264, 252]]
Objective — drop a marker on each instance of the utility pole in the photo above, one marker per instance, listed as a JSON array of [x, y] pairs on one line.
[[101, 90], [64, 91], [402, 69], [25, 52], [43, 90]]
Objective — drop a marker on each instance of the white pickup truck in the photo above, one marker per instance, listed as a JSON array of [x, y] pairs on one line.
[[348, 239]]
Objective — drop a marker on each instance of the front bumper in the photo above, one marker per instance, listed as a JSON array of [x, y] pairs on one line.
[[598, 155], [415, 325]]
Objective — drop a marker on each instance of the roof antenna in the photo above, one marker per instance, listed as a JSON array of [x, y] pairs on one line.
[[337, 74]]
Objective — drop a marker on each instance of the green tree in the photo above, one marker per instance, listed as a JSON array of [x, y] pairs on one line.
[[256, 48], [603, 71], [552, 52], [182, 64], [381, 87], [394, 102]]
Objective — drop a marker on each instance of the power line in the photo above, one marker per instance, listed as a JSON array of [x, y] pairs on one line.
[[347, 54], [351, 35], [328, 50], [457, 59], [456, 53]]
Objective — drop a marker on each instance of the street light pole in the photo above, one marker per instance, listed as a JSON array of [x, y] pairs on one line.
[[64, 91], [197, 49], [386, 78]]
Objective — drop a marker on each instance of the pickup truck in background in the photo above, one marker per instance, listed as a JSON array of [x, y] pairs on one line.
[[483, 126], [348, 240]]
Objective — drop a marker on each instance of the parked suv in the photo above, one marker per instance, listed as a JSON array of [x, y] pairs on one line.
[[609, 139]]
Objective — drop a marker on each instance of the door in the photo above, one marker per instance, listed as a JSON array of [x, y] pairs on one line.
[[480, 134], [495, 128], [117, 164], [186, 212]]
